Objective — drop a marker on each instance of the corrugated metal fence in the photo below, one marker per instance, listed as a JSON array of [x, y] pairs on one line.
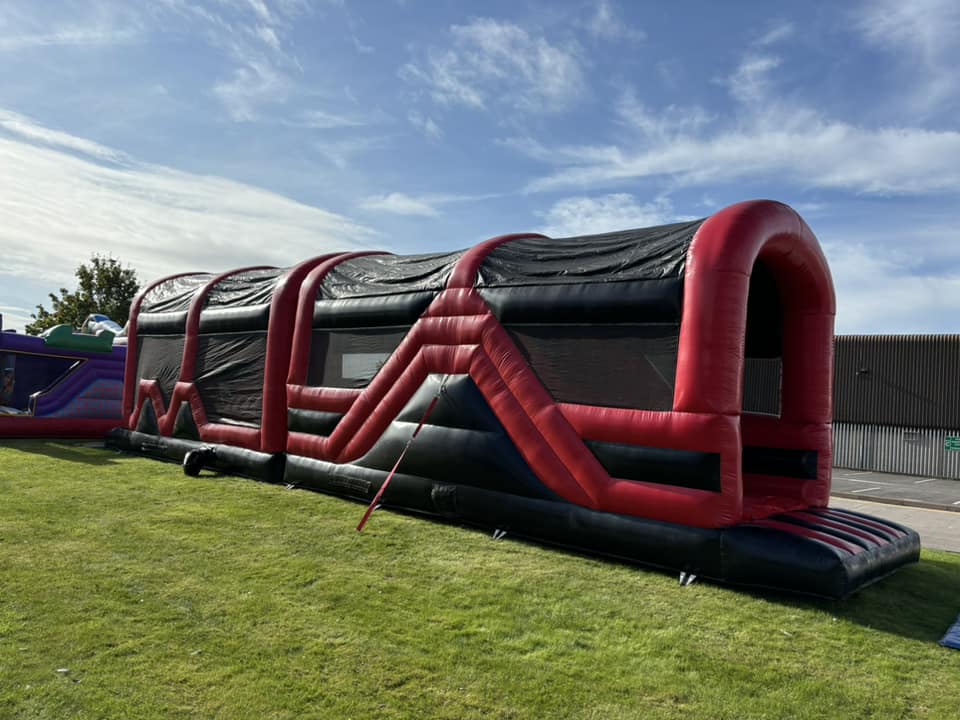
[[907, 381], [906, 451], [896, 402]]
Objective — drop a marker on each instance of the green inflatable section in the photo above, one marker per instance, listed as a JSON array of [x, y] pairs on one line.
[[63, 336]]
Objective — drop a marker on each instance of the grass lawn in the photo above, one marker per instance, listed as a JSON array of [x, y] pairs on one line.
[[162, 596]]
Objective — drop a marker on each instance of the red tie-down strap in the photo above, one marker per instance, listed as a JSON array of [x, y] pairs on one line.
[[375, 503]]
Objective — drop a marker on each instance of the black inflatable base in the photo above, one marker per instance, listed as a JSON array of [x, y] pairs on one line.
[[224, 459], [752, 554]]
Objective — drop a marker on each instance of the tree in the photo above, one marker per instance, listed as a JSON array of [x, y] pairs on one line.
[[104, 286]]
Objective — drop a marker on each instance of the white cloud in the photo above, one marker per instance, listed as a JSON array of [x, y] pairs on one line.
[[399, 204], [750, 83], [777, 32], [16, 317], [362, 48], [252, 85], [78, 26], [71, 36], [606, 213], [607, 24], [59, 208], [423, 205], [323, 120], [426, 124], [253, 36], [260, 10], [927, 27], [880, 290], [16, 124], [766, 138], [672, 121], [498, 63], [341, 153], [269, 36], [924, 33]]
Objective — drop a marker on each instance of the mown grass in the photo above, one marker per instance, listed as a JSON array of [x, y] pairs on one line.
[[166, 596]]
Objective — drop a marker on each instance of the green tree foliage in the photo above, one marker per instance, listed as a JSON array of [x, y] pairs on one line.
[[103, 286]]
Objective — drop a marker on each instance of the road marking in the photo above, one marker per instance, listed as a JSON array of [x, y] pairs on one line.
[[920, 482], [872, 482], [876, 488], [881, 507]]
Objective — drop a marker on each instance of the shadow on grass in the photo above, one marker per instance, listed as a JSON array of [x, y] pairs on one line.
[[87, 452], [918, 602]]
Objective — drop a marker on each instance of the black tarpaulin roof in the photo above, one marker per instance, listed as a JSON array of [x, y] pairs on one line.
[[174, 294], [645, 254], [251, 287], [372, 275]]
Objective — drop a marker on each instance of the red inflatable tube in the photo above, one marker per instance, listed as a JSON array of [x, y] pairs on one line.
[[283, 314], [130, 367], [719, 263], [538, 453], [464, 275], [872, 538], [847, 547], [248, 438], [188, 365], [338, 400], [303, 326], [13, 426], [148, 390]]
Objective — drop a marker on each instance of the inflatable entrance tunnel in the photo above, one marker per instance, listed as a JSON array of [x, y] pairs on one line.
[[661, 395]]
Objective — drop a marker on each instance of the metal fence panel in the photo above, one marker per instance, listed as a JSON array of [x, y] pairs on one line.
[[907, 451]]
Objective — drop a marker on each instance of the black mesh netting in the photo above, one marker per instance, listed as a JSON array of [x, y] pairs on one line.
[[230, 376], [629, 366], [762, 382], [763, 345], [350, 358], [159, 358]]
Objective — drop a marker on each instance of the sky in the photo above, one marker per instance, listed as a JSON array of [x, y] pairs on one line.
[[185, 135]]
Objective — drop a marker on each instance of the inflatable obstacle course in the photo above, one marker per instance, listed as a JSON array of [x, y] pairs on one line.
[[600, 392]]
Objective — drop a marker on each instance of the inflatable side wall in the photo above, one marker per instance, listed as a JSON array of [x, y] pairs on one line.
[[57, 386]]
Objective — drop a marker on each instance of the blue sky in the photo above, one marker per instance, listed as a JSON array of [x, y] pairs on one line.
[[187, 135]]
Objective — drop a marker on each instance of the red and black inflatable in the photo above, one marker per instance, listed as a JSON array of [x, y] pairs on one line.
[[661, 395]]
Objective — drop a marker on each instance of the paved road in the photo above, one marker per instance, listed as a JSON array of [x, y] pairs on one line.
[[897, 489]]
